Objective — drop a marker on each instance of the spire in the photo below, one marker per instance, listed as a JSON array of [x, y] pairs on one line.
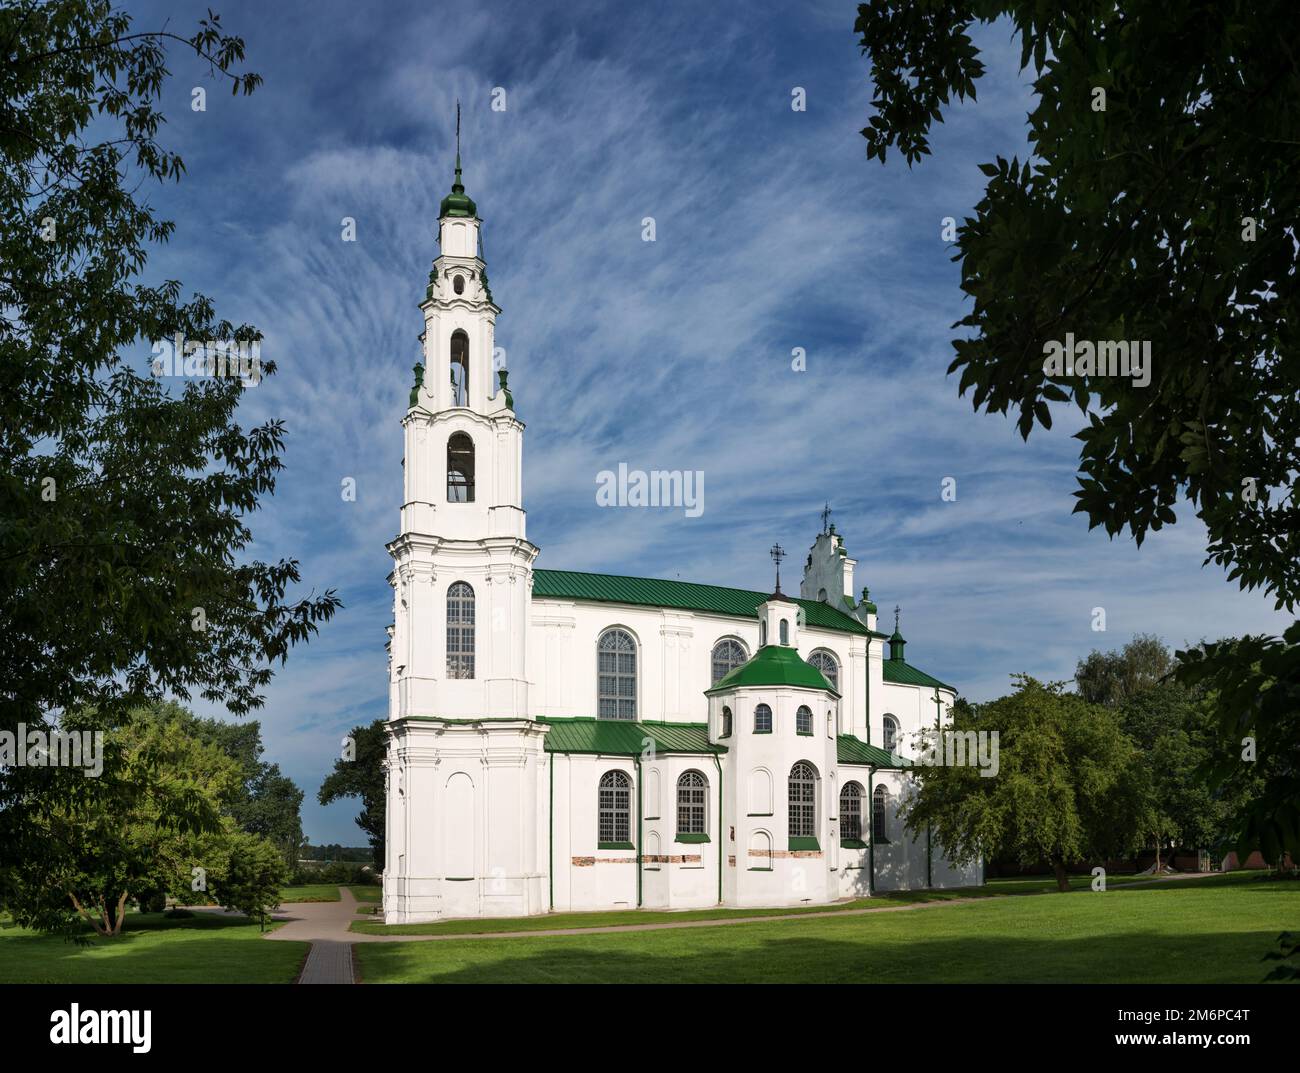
[[896, 642], [457, 203]]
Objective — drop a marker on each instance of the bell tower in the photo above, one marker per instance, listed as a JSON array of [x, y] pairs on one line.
[[464, 757]]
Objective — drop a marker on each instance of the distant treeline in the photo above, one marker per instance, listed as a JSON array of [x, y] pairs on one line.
[[335, 852]]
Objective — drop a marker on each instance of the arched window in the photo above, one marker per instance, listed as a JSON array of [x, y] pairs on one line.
[[459, 368], [803, 801], [803, 720], [785, 632], [458, 283], [614, 807], [726, 723], [828, 665], [762, 633], [851, 811], [762, 719], [616, 675], [460, 468], [460, 631], [821, 595], [728, 654], [891, 733], [692, 790], [880, 815]]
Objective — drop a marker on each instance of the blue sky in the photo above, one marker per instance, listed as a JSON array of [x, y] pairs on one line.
[[773, 231]]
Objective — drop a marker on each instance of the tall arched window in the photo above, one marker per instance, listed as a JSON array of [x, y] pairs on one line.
[[785, 632], [460, 468], [803, 720], [728, 654], [460, 631], [803, 801], [726, 723], [880, 815], [614, 809], [762, 633], [851, 812], [828, 665], [459, 368], [616, 675], [692, 810], [891, 733], [762, 719]]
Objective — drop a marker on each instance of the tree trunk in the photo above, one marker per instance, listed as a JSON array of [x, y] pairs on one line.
[[121, 914], [1062, 878], [1157, 871]]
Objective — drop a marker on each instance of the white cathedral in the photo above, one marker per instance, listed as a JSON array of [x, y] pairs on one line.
[[560, 740]]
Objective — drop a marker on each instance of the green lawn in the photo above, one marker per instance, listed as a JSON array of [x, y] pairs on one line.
[[1200, 931], [613, 918], [310, 892], [204, 948], [365, 892]]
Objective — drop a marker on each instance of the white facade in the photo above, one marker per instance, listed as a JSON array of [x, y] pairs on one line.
[[500, 729]]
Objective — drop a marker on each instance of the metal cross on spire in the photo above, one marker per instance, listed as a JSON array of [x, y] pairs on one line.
[[826, 518], [897, 609], [778, 553], [458, 129]]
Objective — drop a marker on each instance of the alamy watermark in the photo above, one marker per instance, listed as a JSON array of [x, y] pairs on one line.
[[1106, 357], [179, 356], [53, 748], [658, 488], [961, 748]]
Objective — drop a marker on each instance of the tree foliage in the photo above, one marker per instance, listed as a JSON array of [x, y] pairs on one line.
[[1158, 203], [124, 506], [1069, 787]]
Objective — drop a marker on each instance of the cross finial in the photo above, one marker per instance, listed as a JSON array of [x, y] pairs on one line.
[[457, 128], [826, 518], [778, 553], [897, 609]]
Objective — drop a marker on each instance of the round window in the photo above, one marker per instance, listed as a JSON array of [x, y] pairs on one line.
[[458, 284]]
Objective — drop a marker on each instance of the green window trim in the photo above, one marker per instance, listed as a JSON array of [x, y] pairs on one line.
[[760, 813], [691, 838], [762, 732], [767, 869], [805, 733], [852, 843], [615, 845], [803, 843]]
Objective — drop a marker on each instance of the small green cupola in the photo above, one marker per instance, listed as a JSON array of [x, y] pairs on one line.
[[458, 203], [896, 641]]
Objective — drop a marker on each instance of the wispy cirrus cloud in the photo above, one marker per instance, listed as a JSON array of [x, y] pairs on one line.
[[772, 232]]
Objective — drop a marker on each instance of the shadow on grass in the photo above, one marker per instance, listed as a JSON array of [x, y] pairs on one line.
[[1122, 958]]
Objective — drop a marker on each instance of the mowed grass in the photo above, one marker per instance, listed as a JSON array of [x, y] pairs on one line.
[[1200, 931], [615, 918], [153, 948], [365, 892], [310, 892]]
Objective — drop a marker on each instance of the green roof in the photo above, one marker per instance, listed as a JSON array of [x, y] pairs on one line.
[[623, 737], [685, 595], [906, 675], [852, 750], [774, 665]]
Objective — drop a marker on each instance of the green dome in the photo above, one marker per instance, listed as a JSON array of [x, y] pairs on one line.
[[775, 665], [457, 203]]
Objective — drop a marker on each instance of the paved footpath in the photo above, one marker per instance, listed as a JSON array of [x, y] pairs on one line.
[[330, 961]]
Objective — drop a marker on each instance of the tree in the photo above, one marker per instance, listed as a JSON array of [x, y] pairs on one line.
[[1069, 786], [1158, 205], [123, 569], [1110, 678], [137, 831], [363, 777], [264, 802], [249, 876]]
